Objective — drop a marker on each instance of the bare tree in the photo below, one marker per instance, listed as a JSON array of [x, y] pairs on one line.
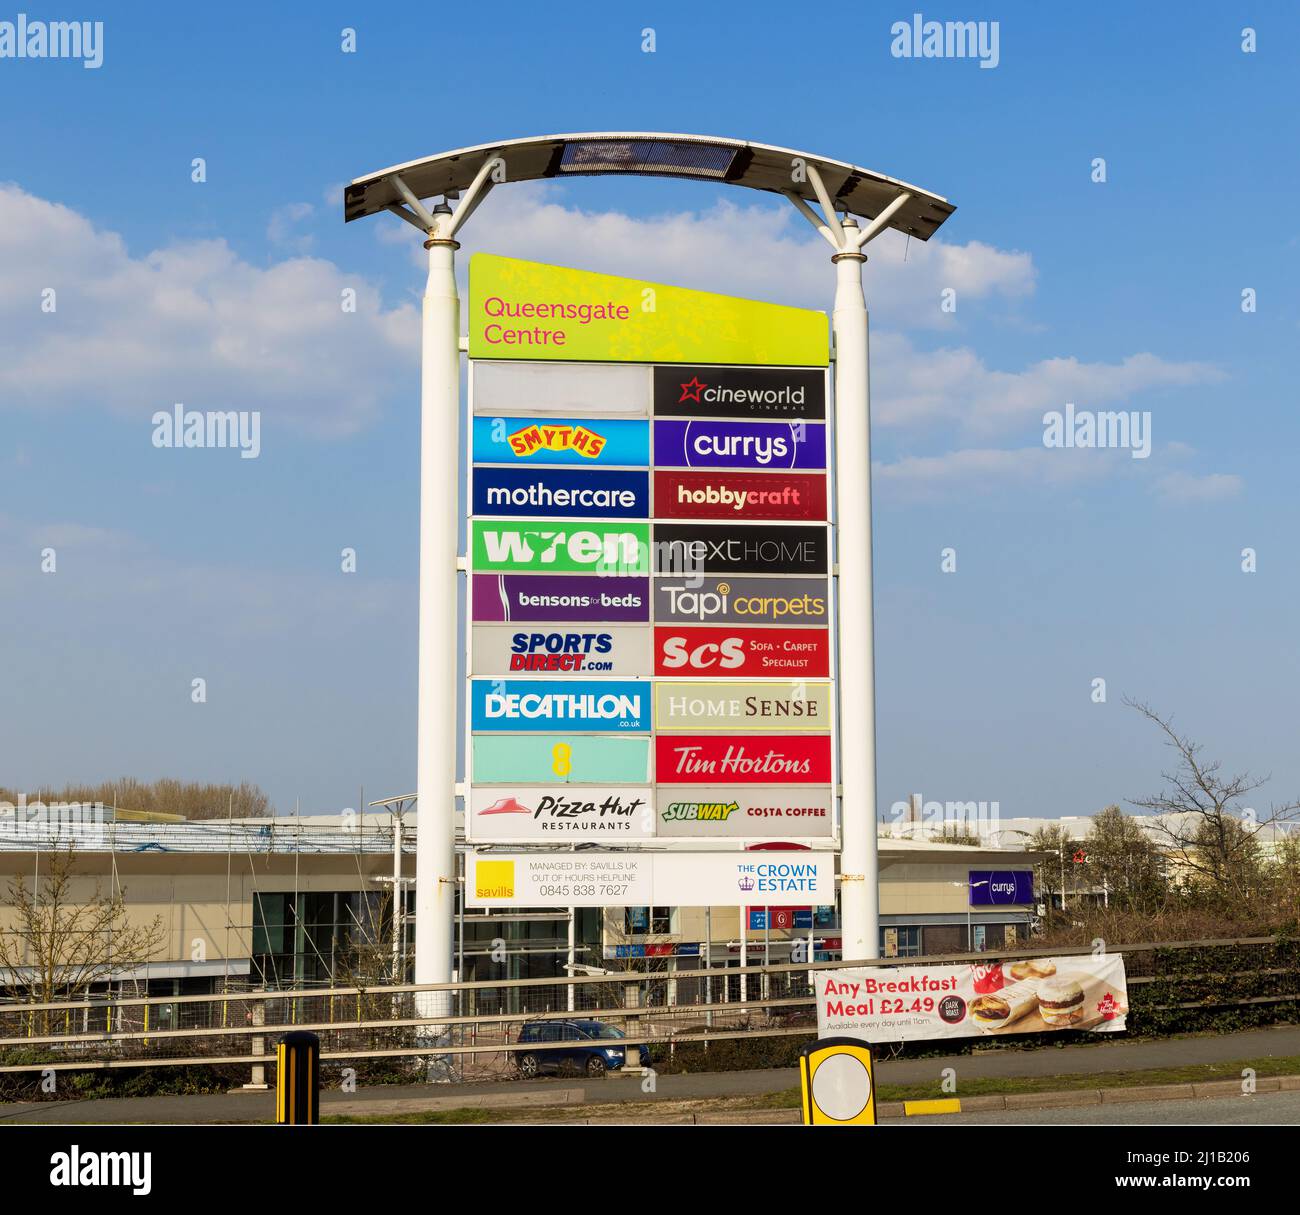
[[1124, 862], [1202, 821], [58, 944]]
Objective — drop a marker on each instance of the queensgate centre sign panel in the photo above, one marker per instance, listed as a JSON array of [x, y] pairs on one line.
[[650, 638]]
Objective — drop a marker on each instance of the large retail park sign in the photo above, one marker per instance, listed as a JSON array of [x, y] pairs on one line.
[[650, 645]]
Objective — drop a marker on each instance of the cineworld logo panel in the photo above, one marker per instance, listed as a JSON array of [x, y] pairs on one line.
[[779, 393]]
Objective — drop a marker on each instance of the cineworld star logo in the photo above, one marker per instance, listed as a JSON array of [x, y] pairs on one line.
[[691, 390]]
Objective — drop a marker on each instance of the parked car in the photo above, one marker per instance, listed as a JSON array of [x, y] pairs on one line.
[[595, 1048]]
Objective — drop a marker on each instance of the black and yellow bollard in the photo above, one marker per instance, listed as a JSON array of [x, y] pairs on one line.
[[838, 1083], [297, 1079]]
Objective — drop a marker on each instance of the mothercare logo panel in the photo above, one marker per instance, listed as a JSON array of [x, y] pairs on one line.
[[597, 705], [559, 652], [770, 759], [742, 600], [549, 546], [735, 811], [555, 813], [566, 493], [710, 444], [538, 597], [739, 392], [584, 442], [562, 759], [740, 495], [705, 548]]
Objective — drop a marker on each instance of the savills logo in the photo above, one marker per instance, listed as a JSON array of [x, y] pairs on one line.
[[494, 879], [547, 437]]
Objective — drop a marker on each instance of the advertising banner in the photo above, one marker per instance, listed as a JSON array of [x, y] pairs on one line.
[[737, 812], [646, 879], [705, 443], [562, 652], [1000, 887], [559, 759], [906, 1003], [743, 707], [704, 759], [740, 495], [699, 650], [559, 814], [742, 600], [739, 392], [527, 310], [585, 442], [527, 598], [597, 705], [554, 547], [715, 548], [565, 493]]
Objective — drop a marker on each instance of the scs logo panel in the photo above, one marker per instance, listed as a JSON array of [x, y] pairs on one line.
[[742, 652]]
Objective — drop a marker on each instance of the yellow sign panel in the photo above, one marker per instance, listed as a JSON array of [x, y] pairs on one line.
[[526, 310], [494, 879], [838, 1083]]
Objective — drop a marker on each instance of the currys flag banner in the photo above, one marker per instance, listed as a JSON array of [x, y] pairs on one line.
[[1025, 996]]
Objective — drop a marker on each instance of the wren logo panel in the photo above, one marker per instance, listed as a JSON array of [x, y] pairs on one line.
[[538, 544], [597, 705], [686, 549], [595, 494], [739, 392], [586, 442], [710, 444]]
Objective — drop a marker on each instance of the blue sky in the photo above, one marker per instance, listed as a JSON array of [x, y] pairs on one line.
[[1071, 565]]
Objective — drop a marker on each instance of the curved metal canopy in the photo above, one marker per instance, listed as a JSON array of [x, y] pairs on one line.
[[736, 162]]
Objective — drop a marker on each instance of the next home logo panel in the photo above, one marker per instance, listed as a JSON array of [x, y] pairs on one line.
[[704, 548]]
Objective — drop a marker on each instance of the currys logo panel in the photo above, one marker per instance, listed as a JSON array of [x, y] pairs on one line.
[[703, 759], [999, 887], [709, 444], [739, 392], [502, 650], [803, 653], [538, 544], [567, 493], [739, 495], [587, 442], [606, 706], [538, 597]]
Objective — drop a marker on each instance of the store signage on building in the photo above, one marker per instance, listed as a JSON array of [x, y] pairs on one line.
[[737, 812], [564, 759], [739, 707], [586, 443], [741, 652], [740, 496], [1032, 995], [778, 393], [560, 650], [706, 759], [716, 548], [643, 879], [532, 598], [706, 443], [554, 546], [559, 814], [1000, 887], [687, 600], [562, 493], [596, 705]]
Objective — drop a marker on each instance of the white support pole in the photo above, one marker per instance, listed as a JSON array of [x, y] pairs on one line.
[[435, 857], [859, 863]]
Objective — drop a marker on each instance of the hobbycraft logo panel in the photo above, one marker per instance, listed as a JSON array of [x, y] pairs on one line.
[[740, 496]]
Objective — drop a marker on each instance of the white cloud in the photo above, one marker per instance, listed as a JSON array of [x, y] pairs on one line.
[[1182, 489], [192, 323], [283, 229], [959, 474]]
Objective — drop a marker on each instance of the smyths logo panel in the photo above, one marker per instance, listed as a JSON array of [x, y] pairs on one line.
[[739, 495], [739, 392], [794, 653]]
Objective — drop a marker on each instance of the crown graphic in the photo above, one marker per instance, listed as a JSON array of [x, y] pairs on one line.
[[746, 882]]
